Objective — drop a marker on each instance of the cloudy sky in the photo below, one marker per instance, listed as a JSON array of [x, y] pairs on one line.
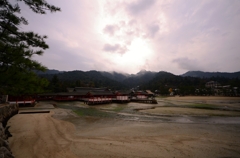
[[131, 35]]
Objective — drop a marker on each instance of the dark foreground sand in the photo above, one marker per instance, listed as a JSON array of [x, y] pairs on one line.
[[46, 136]]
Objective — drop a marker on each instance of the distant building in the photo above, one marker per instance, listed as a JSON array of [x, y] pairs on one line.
[[212, 84], [150, 93], [25, 100], [123, 95], [221, 90], [103, 95]]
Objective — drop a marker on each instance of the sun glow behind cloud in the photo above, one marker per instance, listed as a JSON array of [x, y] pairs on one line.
[[130, 35], [136, 55], [126, 45]]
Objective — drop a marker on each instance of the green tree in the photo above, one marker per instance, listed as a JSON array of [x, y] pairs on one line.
[[55, 85], [18, 47]]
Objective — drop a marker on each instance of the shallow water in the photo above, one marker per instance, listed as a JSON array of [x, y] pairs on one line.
[[132, 112]]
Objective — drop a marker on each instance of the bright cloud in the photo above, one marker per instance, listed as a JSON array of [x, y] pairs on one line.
[[130, 35]]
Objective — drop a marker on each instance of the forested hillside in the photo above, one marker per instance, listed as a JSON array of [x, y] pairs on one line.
[[61, 81], [164, 81], [115, 75], [132, 80], [139, 79], [202, 74], [160, 82]]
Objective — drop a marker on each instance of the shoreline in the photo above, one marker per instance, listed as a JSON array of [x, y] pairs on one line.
[[61, 133], [201, 97]]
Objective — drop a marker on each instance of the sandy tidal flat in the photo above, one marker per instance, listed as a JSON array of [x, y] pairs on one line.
[[46, 136], [189, 111]]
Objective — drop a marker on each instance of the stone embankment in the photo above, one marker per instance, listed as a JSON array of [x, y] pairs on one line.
[[6, 112]]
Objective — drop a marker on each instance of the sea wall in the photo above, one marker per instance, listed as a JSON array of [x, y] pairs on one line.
[[6, 112]]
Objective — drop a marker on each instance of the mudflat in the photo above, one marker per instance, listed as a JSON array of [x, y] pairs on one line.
[[131, 130]]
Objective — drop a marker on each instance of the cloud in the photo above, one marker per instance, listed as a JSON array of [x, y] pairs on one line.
[[167, 35], [110, 29], [153, 29], [139, 6], [62, 57], [187, 64], [111, 48], [115, 48]]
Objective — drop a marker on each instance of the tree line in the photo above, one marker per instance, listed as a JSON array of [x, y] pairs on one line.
[[163, 83]]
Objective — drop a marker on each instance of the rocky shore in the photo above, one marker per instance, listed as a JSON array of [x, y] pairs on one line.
[[6, 112]]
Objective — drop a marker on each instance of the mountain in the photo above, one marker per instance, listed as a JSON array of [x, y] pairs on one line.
[[139, 79], [131, 80], [202, 74], [187, 84], [48, 72], [164, 81], [161, 81], [113, 80], [83, 79], [115, 75]]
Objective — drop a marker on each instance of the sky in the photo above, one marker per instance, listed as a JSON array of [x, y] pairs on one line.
[[132, 35]]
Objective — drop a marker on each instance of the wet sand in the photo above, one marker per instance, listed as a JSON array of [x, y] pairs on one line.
[[190, 111], [61, 133], [203, 98]]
